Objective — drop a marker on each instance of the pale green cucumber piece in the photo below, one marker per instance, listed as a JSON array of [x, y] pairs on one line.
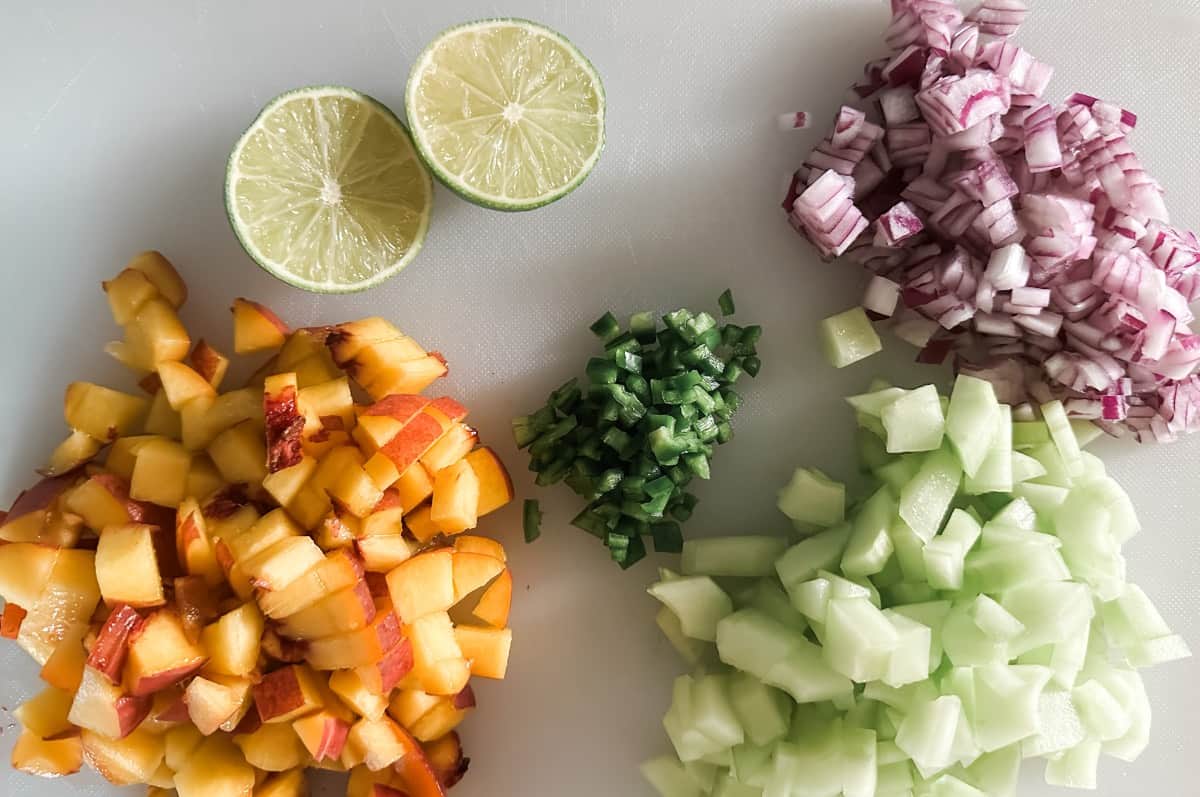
[[698, 603], [874, 402], [703, 773], [692, 651], [849, 337], [1102, 714], [1063, 436], [914, 421], [972, 422], [997, 773], [812, 498], [1026, 468], [712, 711], [802, 561], [967, 645], [1075, 768], [769, 598], [927, 733], [1051, 612], [811, 598], [1153, 652], [870, 545], [746, 557], [996, 472], [1088, 546], [931, 614], [1006, 703], [1127, 686], [909, 662], [752, 764], [1057, 472], [860, 768], [1086, 432], [950, 786], [859, 640], [909, 551], [779, 656], [1059, 725], [1029, 434], [667, 776], [689, 743], [1044, 498], [944, 563], [994, 620], [727, 786], [1017, 513], [899, 471], [925, 500], [765, 713], [1004, 567]]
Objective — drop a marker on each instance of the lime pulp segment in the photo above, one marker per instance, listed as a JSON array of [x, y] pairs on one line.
[[507, 113], [326, 192]]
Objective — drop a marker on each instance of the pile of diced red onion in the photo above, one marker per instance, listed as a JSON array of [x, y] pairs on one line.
[[1023, 238]]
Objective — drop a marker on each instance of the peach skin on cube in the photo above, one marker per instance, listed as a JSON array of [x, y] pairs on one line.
[[383, 676], [283, 420], [209, 363], [256, 328], [160, 654], [455, 444], [288, 694], [356, 648], [323, 734], [183, 384], [350, 687], [105, 708]]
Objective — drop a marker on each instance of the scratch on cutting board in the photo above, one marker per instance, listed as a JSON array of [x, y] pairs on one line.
[[388, 21], [60, 96]]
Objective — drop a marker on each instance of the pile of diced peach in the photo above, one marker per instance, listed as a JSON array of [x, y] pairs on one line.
[[226, 589]]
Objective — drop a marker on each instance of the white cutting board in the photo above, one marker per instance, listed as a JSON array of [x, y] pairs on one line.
[[117, 120]]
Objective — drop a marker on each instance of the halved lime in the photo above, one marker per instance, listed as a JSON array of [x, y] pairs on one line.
[[326, 192], [507, 113]]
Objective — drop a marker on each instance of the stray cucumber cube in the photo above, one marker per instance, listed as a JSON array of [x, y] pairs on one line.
[[849, 337]]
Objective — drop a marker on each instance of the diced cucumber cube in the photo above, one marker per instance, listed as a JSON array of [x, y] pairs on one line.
[[1059, 725], [768, 597], [727, 786], [859, 640], [1029, 434], [1109, 494], [997, 773], [1044, 498], [779, 656], [909, 551], [689, 743], [1017, 513], [967, 645], [667, 776], [1088, 546], [1075, 768], [995, 473], [1102, 714], [1063, 436], [925, 500], [812, 498], [1051, 612], [887, 753], [850, 587], [1067, 657], [898, 472], [909, 662], [1057, 472], [894, 777], [963, 529], [812, 764], [972, 422], [950, 786], [1004, 567], [698, 603], [712, 711], [872, 452], [722, 759], [927, 733], [994, 620], [1026, 468], [874, 402], [811, 598], [849, 337], [1153, 652], [860, 769], [944, 561], [752, 764], [1006, 699], [870, 545], [1132, 617], [703, 773], [914, 421], [1085, 431], [732, 556], [1128, 688], [802, 561], [1093, 469], [764, 712], [693, 651]]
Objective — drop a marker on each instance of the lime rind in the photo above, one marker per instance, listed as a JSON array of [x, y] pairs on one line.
[[280, 268], [472, 193]]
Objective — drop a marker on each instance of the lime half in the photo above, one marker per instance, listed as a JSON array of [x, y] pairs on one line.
[[326, 192], [507, 113]]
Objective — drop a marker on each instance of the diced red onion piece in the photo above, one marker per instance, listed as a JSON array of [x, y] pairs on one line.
[[798, 120], [881, 296]]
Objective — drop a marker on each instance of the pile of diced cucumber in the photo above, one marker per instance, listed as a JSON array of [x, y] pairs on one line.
[[969, 612]]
